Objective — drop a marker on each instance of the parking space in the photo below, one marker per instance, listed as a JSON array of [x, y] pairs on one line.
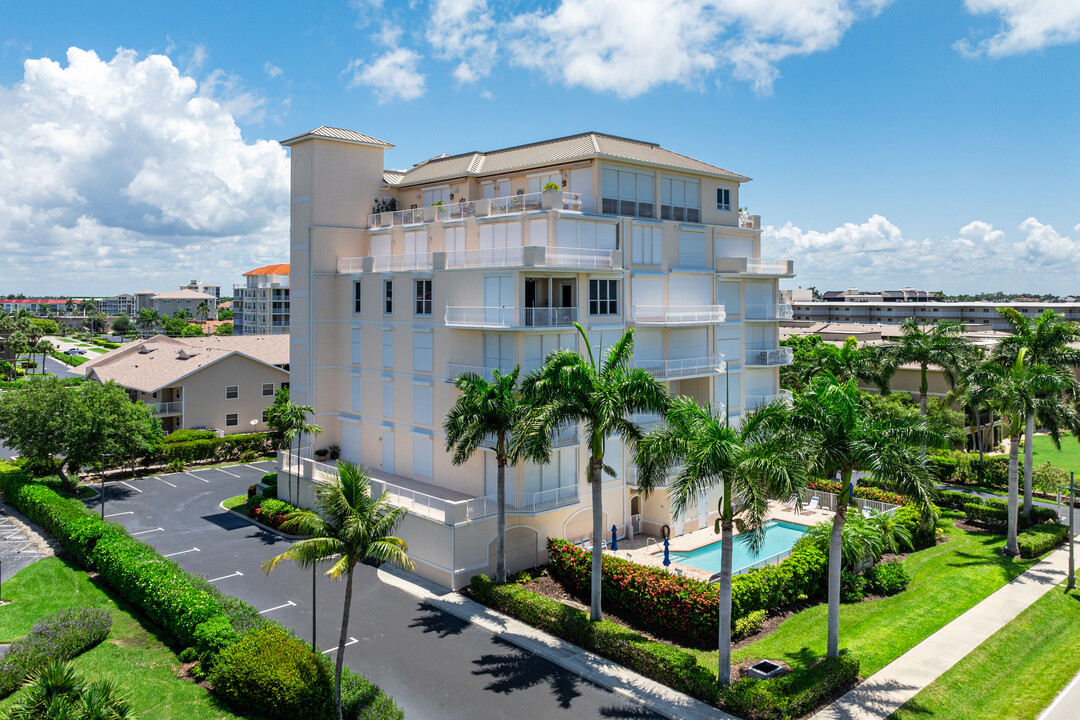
[[433, 664]]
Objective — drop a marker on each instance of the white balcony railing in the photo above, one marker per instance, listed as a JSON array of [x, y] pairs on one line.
[[678, 314], [350, 265], [770, 358], [749, 222], [684, 368], [516, 203], [411, 261], [454, 370], [534, 502], [782, 311], [489, 258], [479, 317], [756, 401], [757, 266], [412, 216], [548, 316], [577, 257], [167, 408]]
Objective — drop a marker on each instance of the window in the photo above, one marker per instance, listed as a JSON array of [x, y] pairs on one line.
[[356, 298], [232, 392], [388, 348], [264, 415], [680, 200], [423, 297], [603, 297], [628, 193], [723, 199], [268, 389], [232, 420], [647, 248], [388, 297]]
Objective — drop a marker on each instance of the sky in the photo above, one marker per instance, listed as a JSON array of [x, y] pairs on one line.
[[925, 143]]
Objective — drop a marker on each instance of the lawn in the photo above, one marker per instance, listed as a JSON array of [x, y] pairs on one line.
[[1015, 674], [134, 654], [946, 580], [1068, 457]]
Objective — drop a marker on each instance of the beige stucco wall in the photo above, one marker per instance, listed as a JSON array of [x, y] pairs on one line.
[[203, 394]]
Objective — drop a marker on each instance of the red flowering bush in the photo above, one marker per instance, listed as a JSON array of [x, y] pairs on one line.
[[861, 491], [682, 609]]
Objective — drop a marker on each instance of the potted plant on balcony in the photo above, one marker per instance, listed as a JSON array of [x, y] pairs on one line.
[[321, 454], [335, 452], [551, 196], [437, 211]]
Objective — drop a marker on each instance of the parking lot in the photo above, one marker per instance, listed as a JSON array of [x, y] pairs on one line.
[[434, 665]]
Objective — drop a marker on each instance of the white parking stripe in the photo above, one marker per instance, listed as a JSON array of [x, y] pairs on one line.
[[129, 512], [288, 604], [226, 577], [165, 481], [144, 532], [227, 472], [130, 486], [352, 641], [197, 477], [182, 552]]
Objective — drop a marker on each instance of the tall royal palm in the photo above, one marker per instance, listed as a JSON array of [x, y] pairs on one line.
[[349, 528], [147, 318], [602, 393], [488, 409], [1018, 392], [848, 437], [202, 312], [866, 364], [289, 420], [1047, 341], [942, 345], [762, 459]]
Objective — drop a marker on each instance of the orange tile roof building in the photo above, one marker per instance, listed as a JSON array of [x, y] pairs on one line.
[[261, 304]]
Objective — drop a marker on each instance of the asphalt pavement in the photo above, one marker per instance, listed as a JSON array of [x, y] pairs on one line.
[[433, 664]]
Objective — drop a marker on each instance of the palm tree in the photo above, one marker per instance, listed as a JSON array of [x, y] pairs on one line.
[[847, 437], [69, 305], [570, 388], [290, 421], [147, 318], [485, 410], [760, 460], [1019, 392], [865, 364], [202, 311], [85, 306], [44, 347], [350, 527], [182, 314], [942, 345], [1047, 341]]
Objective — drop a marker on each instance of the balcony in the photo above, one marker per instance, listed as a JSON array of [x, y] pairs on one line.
[[531, 256], [523, 503], [505, 318], [678, 314], [548, 316], [487, 207], [389, 263], [749, 222], [633, 472], [755, 266], [683, 368], [756, 401], [413, 216], [167, 408], [782, 311], [769, 358], [454, 370]]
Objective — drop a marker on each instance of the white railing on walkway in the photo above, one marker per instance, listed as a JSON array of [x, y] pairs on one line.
[[827, 501], [678, 314], [489, 258], [411, 261], [520, 502], [167, 408], [683, 368], [758, 266], [764, 562], [548, 316], [453, 211], [350, 265], [781, 311], [769, 358], [479, 317], [755, 401]]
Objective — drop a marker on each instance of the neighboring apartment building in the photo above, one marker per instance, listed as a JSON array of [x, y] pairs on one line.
[[55, 305], [167, 303], [201, 287], [261, 304], [214, 383], [389, 308], [883, 311], [122, 304]]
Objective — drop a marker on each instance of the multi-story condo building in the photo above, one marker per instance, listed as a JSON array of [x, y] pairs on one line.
[[261, 304], [201, 287], [168, 303], [403, 280], [883, 311], [122, 304]]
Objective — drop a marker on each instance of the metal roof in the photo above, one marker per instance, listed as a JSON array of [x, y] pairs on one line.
[[330, 133]]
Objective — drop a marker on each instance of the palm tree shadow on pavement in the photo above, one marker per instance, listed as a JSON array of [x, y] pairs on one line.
[[516, 669], [436, 621]]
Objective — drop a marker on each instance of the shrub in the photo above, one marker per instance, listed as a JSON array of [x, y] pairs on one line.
[[661, 662], [749, 624], [1047, 478], [270, 479], [993, 514], [273, 674], [922, 531], [887, 578], [185, 435], [211, 638], [269, 511], [863, 491], [942, 467], [175, 466], [792, 695], [956, 500], [852, 586], [57, 637], [995, 471], [1039, 538]]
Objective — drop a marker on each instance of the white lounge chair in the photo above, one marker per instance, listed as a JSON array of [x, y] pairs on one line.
[[789, 506], [813, 506]]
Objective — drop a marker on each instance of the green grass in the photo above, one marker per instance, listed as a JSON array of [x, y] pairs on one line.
[[1015, 674], [99, 350], [946, 580], [236, 503], [1068, 457], [134, 654]]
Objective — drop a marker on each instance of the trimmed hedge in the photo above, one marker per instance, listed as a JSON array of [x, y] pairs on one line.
[[993, 514], [215, 449], [1037, 539], [56, 637], [923, 533], [186, 435], [864, 492], [955, 500], [887, 578], [683, 609], [792, 695], [671, 666]]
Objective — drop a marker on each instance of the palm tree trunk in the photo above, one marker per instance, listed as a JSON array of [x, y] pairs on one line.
[[1011, 547], [835, 559], [1029, 461], [341, 642], [724, 639], [500, 518], [595, 613]]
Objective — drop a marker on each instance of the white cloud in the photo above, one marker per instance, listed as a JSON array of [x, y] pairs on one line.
[[128, 172], [271, 69], [461, 30], [876, 255], [392, 75], [1027, 25]]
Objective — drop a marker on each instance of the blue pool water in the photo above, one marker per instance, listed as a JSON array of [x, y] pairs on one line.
[[779, 536]]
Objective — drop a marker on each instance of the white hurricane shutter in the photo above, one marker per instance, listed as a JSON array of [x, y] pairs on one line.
[[538, 234], [728, 295], [357, 354], [648, 345], [388, 348], [350, 441], [498, 351], [387, 398], [691, 249], [454, 244], [581, 180], [648, 249], [421, 399], [685, 343], [690, 290], [380, 245], [357, 394], [422, 351], [388, 450], [647, 293]]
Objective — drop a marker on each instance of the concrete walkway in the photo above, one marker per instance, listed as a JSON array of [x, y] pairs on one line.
[[882, 693], [652, 695]]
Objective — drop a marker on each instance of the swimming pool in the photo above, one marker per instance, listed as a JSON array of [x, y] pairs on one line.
[[779, 537]]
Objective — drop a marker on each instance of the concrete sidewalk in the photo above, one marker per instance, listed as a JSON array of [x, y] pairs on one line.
[[882, 693], [649, 693]]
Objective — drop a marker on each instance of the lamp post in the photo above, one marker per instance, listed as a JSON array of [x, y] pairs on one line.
[[1072, 528], [314, 610]]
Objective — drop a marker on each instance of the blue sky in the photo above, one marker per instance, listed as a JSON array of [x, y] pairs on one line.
[[892, 142]]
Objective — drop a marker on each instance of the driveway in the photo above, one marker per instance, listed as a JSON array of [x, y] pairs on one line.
[[433, 664]]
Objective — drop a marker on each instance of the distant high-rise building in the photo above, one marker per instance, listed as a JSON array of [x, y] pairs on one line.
[[200, 286], [261, 304]]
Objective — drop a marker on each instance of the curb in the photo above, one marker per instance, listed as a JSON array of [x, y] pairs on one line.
[[622, 681], [256, 523]]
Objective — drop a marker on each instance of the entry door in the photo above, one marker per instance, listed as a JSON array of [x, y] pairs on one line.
[[703, 512], [388, 450], [498, 294]]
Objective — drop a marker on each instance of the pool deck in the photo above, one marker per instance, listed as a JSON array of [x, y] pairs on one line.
[[648, 550]]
